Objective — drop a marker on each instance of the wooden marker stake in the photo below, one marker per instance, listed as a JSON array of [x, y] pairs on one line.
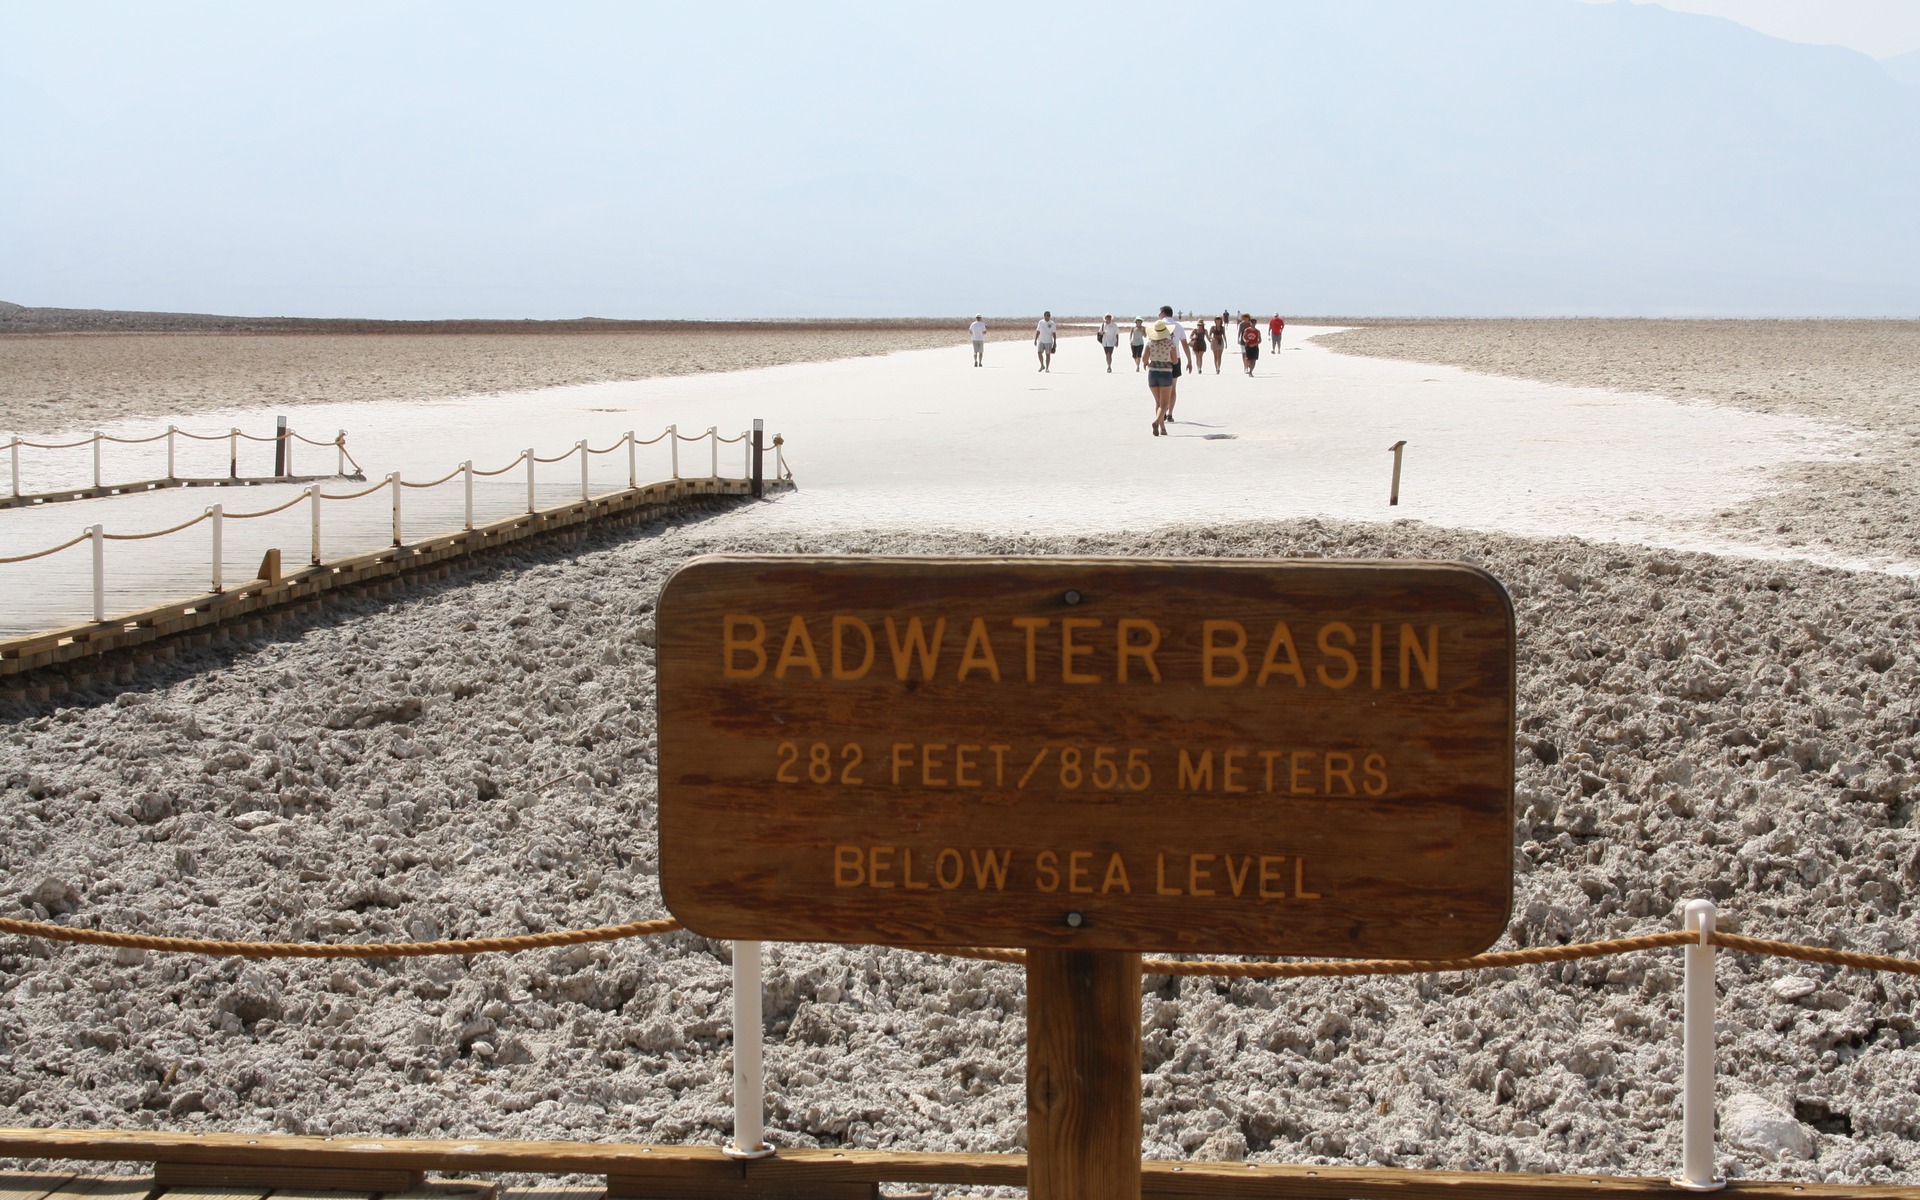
[[1083, 1075], [1393, 496]]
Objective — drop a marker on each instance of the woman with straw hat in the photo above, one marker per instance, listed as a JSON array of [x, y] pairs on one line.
[[1161, 356]]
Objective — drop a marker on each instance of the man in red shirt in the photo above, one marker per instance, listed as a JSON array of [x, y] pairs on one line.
[[1274, 327]]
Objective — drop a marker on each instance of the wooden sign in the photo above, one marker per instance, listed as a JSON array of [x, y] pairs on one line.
[[1239, 757]]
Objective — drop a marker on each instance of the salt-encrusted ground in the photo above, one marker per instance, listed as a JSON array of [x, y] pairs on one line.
[[477, 758], [1866, 374]]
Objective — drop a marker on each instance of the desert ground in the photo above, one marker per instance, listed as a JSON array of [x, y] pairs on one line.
[[60, 381], [1865, 374], [477, 757]]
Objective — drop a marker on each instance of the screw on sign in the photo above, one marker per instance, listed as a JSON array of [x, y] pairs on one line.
[[1088, 759]]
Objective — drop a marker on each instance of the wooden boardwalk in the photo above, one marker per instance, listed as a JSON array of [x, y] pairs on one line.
[[230, 1166], [273, 590], [148, 1187], [110, 490]]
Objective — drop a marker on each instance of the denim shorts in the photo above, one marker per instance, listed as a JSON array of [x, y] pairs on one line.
[[1159, 378]]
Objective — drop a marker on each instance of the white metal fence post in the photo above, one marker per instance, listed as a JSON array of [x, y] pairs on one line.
[[749, 1096], [1696, 1097], [673, 439], [99, 535], [394, 479], [466, 469], [585, 458], [15, 448], [313, 494], [529, 478], [340, 458], [746, 439], [713, 441], [96, 459], [219, 512], [779, 458], [286, 458], [169, 453], [633, 463]]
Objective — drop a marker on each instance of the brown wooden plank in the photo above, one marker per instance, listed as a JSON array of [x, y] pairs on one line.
[[280, 1177], [1248, 1181], [753, 1186], [468, 1189], [19, 1186], [191, 1192], [1235, 756], [1083, 1075], [104, 1187], [704, 1163]]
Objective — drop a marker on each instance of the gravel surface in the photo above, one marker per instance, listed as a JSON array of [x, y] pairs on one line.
[[1861, 374], [476, 757]]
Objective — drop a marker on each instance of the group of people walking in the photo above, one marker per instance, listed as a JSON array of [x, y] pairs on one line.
[[1158, 348]]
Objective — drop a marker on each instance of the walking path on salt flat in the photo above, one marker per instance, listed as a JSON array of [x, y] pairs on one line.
[[924, 439]]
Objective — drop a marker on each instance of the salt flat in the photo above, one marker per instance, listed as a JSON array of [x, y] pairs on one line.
[[921, 439], [476, 756]]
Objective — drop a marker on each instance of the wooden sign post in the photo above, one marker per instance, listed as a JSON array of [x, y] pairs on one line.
[[1089, 759]]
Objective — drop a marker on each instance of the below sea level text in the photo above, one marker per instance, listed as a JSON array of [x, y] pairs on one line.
[[1077, 872]]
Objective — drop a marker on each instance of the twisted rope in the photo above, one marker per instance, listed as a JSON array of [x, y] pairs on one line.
[[51, 550], [1337, 968], [650, 441], [1531, 956], [503, 470], [434, 483], [1816, 954], [267, 512], [980, 953], [222, 949], [141, 537], [365, 491], [741, 438], [556, 458], [198, 437], [87, 441]]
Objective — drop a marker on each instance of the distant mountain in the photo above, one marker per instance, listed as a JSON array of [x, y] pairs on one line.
[[1904, 67], [18, 319]]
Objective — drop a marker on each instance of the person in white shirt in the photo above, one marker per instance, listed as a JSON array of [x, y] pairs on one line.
[[1045, 336], [1109, 338], [1179, 333], [978, 331]]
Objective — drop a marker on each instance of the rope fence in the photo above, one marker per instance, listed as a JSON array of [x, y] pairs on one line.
[[217, 515], [1339, 968], [1699, 939], [282, 439]]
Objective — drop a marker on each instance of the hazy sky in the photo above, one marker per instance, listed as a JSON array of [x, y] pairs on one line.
[[473, 158]]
